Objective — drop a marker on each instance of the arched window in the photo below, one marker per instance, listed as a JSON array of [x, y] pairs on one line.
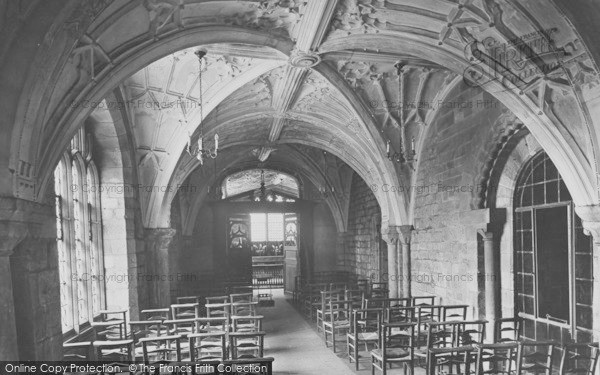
[[79, 228], [553, 264]]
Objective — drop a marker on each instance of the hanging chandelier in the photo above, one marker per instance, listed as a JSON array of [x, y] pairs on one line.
[[401, 156], [201, 152]]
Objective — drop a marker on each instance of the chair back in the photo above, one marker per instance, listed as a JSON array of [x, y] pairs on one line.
[[156, 314], [454, 312], [535, 357], [208, 346], [248, 323], [145, 328], [218, 310], [440, 334], [423, 300], [241, 297], [392, 340], [496, 359], [508, 329], [579, 359], [163, 348], [451, 361], [188, 299], [400, 314], [365, 320], [217, 299], [181, 327], [246, 344], [470, 332], [185, 310], [243, 308]]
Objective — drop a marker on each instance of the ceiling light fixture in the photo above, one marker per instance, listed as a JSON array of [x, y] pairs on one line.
[[200, 152]]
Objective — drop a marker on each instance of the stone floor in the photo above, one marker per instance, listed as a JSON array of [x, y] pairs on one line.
[[299, 349]]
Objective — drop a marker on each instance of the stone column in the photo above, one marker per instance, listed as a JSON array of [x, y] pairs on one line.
[[490, 281], [30, 284], [158, 243], [404, 260], [590, 217], [8, 332], [392, 237]]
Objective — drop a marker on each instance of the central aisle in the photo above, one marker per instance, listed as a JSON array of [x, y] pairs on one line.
[[296, 347]]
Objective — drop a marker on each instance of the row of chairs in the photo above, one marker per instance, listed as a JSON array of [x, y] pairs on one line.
[[231, 331]]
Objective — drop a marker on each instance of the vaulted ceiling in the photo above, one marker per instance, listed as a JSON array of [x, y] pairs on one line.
[[286, 80]]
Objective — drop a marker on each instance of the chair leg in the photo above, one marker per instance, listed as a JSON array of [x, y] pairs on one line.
[[356, 352], [333, 339]]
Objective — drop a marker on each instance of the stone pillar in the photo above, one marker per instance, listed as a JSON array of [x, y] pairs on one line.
[[590, 217], [158, 243], [392, 237], [30, 289], [404, 261], [8, 332], [490, 281]]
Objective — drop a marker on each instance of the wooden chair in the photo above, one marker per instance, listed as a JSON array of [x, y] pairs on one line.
[[246, 344], [496, 359], [394, 349], [508, 329], [450, 361], [535, 357], [112, 325], [156, 314], [336, 321], [208, 346], [579, 359], [326, 296], [246, 323], [185, 310], [161, 349], [364, 330]]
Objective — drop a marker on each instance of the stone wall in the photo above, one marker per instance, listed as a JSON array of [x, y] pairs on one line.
[[361, 255], [325, 235], [446, 252]]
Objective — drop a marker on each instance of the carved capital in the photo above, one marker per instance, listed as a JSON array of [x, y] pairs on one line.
[[391, 235], [406, 233], [160, 237], [590, 218]]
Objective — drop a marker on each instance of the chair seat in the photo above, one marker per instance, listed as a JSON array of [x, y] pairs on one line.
[[338, 324], [392, 353], [367, 336]]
